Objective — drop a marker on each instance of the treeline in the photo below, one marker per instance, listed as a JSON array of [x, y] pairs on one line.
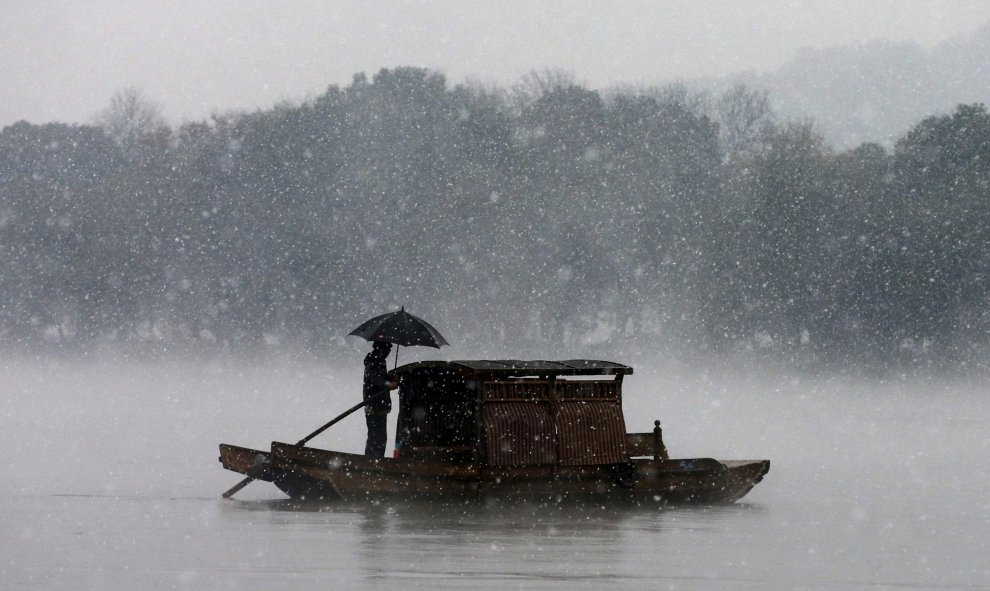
[[545, 218]]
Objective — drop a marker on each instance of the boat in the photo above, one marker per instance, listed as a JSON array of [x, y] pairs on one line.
[[505, 429]]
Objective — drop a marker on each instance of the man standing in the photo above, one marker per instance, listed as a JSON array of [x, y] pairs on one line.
[[377, 400]]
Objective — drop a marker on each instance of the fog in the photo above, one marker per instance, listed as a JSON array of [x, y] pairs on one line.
[[67, 60], [802, 214], [775, 212], [110, 481]]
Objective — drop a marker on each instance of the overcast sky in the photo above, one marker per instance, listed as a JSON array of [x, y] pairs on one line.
[[62, 60]]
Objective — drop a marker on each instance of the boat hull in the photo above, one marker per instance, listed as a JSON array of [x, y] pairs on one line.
[[314, 474]]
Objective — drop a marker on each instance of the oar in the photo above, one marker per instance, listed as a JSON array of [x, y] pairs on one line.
[[302, 441]]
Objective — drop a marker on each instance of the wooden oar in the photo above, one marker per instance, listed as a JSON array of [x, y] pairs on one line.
[[257, 472]]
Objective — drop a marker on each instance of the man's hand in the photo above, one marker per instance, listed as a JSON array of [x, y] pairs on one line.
[[393, 385]]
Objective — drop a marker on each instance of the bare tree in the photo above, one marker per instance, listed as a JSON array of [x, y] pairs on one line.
[[130, 118], [746, 119], [536, 84]]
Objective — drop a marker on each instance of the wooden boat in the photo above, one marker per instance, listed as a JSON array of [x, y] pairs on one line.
[[506, 429]]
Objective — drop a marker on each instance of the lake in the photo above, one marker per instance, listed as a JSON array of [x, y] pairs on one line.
[[110, 481]]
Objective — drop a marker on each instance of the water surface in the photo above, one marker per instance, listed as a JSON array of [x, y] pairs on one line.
[[110, 481]]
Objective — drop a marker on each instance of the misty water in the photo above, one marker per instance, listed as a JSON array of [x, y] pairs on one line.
[[110, 480]]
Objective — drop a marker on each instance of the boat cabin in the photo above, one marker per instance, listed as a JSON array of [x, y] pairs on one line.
[[512, 413]]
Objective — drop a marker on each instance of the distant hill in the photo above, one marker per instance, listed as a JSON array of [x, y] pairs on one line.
[[875, 92]]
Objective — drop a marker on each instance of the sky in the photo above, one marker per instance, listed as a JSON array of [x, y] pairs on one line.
[[63, 60]]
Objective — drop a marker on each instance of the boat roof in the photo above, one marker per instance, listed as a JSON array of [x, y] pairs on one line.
[[517, 367]]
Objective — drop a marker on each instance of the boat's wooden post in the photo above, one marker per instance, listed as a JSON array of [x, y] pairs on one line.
[[554, 413], [480, 450], [659, 449]]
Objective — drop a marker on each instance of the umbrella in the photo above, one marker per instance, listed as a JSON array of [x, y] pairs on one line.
[[400, 328]]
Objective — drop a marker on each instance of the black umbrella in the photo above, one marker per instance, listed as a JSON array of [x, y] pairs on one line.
[[400, 328]]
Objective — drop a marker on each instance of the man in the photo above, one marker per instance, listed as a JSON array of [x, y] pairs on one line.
[[377, 400]]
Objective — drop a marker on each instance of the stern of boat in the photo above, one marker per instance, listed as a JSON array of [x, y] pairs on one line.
[[248, 461]]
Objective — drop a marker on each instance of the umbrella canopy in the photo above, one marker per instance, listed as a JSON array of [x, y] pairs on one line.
[[400, 328]]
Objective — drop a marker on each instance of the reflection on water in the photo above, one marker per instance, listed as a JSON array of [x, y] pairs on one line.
[[517, 541]]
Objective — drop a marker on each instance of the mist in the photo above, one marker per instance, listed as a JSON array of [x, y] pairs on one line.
[[66, 61], [790, 247], [546, 221]]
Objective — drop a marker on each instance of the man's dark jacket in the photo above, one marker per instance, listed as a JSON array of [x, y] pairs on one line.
[[376, 397]]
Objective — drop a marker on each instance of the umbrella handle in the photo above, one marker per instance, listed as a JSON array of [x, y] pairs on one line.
[[397, 347]]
